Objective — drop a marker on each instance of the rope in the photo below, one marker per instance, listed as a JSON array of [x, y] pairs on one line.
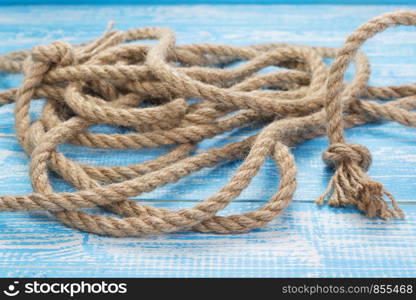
[[148, 88]]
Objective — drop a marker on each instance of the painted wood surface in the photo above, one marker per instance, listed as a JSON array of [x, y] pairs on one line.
[[304, 241]]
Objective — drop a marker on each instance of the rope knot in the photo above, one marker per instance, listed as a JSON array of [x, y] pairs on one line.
[[341, 152], [58, 52]]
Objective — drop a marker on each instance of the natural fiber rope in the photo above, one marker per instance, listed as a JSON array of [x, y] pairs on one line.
[[109, 80]]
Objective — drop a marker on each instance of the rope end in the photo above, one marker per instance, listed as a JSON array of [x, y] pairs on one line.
[[350, 185]]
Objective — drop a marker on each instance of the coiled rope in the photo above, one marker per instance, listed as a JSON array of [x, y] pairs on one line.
[[148, 88]]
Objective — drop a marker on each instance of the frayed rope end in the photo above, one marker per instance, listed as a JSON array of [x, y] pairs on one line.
[[350, 185]]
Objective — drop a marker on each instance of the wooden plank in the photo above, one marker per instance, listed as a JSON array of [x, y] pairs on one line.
[[304, 241]]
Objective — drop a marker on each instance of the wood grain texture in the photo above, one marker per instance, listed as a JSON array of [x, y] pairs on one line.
[[305, 241]]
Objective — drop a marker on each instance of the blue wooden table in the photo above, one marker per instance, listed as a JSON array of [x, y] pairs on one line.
[[305, 241]]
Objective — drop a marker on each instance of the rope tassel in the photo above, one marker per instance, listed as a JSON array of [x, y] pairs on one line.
[[350, 185]]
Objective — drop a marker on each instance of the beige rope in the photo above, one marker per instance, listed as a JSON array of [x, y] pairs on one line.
[[148, 88]]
